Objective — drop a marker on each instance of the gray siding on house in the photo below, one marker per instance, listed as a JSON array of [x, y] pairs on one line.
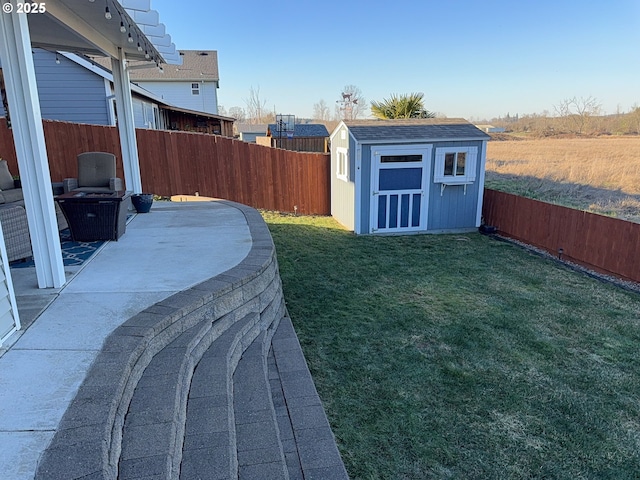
[[68, 91], [180, 93], [72, 92], [343, 192], [138, 113]]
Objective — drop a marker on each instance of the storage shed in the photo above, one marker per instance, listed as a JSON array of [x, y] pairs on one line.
[[306, 137], [406, 176]]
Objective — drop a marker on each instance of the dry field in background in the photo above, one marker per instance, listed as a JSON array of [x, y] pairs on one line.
[[601, 175]]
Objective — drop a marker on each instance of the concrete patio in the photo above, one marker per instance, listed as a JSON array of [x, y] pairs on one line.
[[200, 270]]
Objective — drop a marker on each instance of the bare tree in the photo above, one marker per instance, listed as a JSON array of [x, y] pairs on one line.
[[256, 107], [632, 120], [321, 111], [238, 113], [351, 104], [578, 112]]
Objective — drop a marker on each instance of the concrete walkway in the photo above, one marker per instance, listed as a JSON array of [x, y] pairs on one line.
[[173, 248]]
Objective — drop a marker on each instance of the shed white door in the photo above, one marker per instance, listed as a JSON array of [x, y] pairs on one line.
[[400, 176]]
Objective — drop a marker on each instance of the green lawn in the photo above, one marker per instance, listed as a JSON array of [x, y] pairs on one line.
[[461, 356]]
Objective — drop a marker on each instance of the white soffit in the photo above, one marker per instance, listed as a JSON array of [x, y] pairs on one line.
[[86, 27], [82, 27], [148, 21]]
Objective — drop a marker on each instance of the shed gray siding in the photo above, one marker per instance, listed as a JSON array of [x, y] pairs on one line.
[[343, 192], [453, 210], [249, 137]]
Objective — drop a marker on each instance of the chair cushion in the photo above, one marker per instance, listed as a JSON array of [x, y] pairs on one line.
[[6, 179], [95, 169], [13, 195]]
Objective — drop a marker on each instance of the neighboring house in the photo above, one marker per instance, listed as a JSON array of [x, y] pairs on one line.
[[407, 176], [68, 91], [306, 137], [491, 129], [248, 132], [76, 89], [192, 85]]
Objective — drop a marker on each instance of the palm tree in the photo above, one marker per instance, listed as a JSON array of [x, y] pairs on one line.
[[401, 106]]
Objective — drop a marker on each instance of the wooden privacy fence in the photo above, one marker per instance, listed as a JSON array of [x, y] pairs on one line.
[[604, 244], [173, 163]]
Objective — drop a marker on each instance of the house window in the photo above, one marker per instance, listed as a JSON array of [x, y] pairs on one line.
[[342, 163], [455, 165], [195, 89]]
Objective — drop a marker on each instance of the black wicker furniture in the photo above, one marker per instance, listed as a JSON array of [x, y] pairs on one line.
[[15, 231], [95, 216]]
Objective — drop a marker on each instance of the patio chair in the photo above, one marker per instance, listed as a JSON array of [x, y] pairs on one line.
[[96, 173]]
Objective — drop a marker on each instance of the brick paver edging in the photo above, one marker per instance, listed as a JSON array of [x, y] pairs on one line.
[[88, 439]]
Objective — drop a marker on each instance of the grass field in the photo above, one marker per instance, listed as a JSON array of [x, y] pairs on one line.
[[599, 174], [461, 356]]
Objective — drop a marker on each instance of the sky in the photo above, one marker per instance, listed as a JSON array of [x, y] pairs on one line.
[[472, 59]]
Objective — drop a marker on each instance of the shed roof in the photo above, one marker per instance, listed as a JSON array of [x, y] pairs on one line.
[[373, 131], [252, 128], [303, 130]]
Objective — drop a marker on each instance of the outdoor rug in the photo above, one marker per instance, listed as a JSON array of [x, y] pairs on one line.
[[73, 253]]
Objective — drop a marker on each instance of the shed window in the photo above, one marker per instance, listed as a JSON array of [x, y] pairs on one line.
[[455, 165], [195, 89], [400, 158], [461, 158], [342, 163]]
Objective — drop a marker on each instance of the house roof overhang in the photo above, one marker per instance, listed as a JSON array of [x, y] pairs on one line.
[[99, 69], [81, 26], [212, 116]]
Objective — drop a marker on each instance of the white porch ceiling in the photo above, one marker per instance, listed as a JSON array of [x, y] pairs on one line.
[[80, 26]]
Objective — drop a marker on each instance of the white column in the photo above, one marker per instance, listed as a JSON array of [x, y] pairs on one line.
[[126, 124], [28, 136]]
